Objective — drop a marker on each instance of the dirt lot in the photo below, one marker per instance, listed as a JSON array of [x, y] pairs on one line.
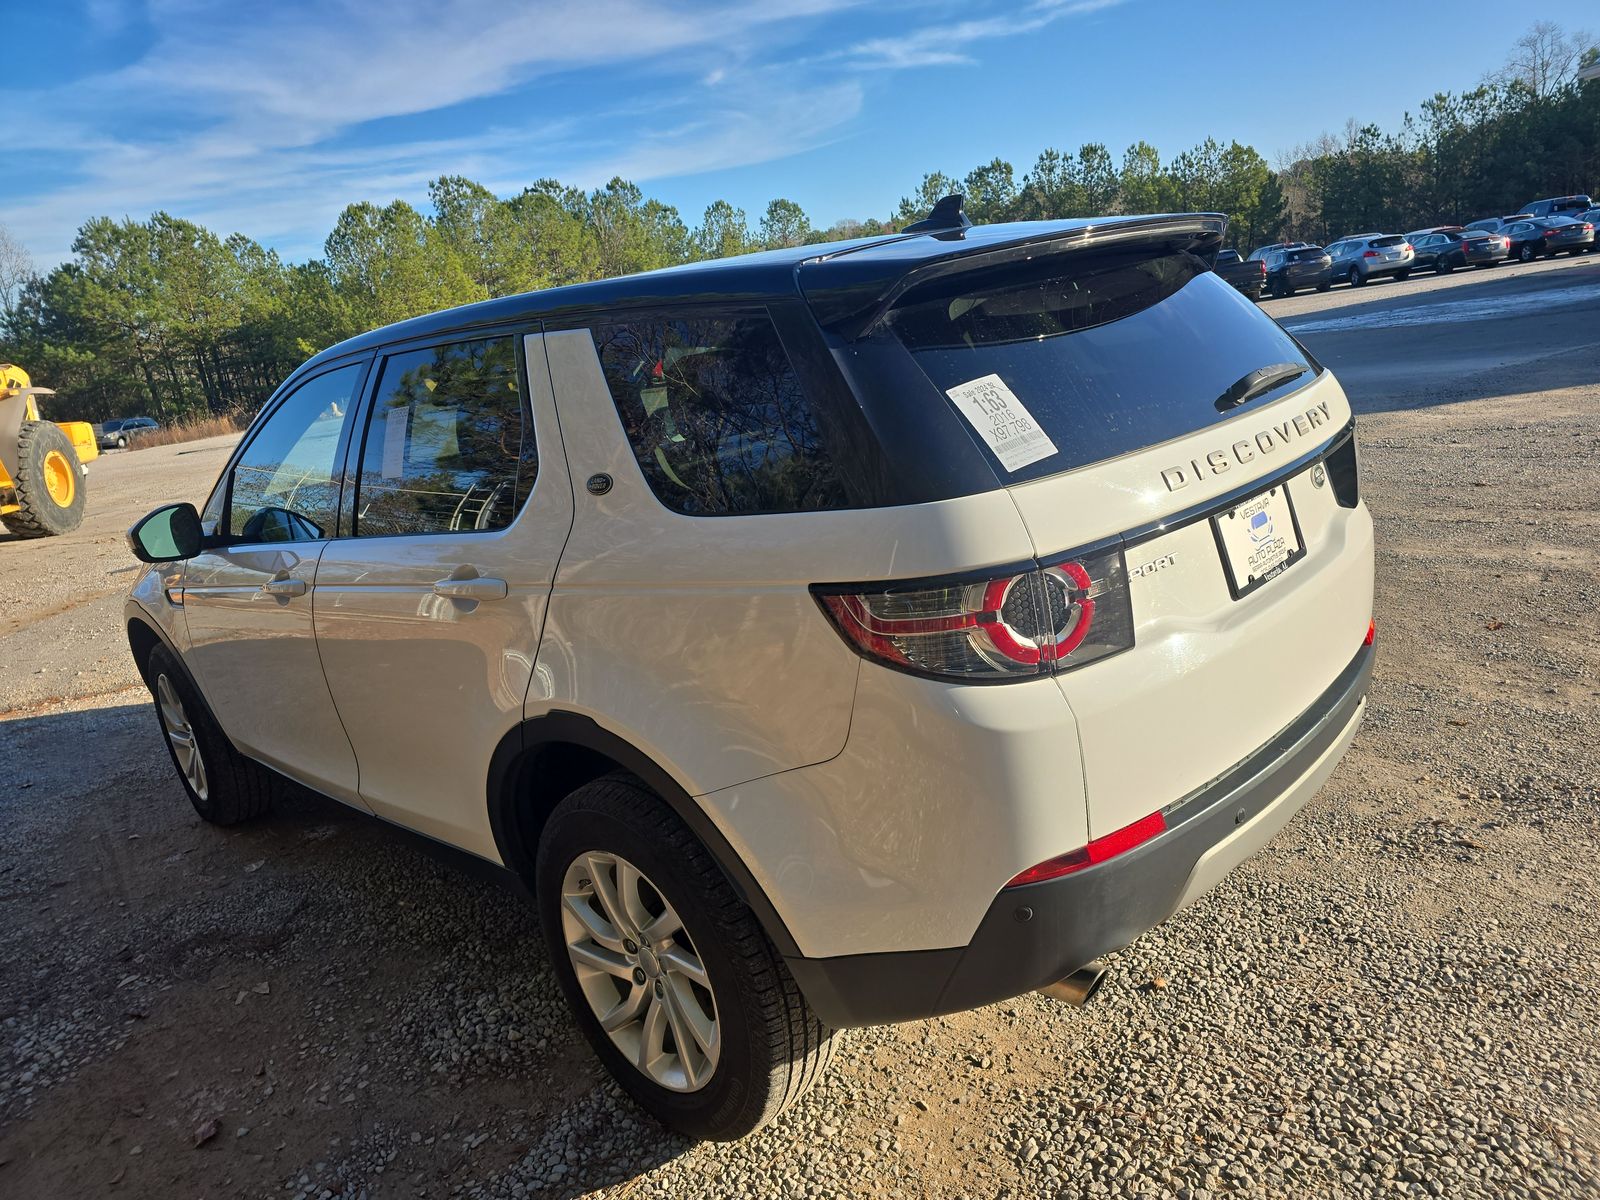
[[1398, 997]]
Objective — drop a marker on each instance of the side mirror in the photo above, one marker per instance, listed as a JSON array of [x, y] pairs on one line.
[[169, 533]]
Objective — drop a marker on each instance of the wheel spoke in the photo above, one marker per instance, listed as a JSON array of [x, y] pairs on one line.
[[679, 959], [652, 1036], [681, 1036], [663, 927], [627, 1010], [628, 879], [689, 1013], [599, 928], [605, 891], [601, 959]]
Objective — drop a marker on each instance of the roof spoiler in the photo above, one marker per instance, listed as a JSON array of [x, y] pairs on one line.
[[851, 293]]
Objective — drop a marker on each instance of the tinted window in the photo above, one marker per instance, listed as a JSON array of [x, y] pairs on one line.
[[1311, 255], [1107, 354], [715, 415], [285, 486], [1388, 241], [446, 448]]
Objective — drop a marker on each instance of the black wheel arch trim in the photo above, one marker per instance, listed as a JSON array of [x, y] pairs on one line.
[[511, 774]]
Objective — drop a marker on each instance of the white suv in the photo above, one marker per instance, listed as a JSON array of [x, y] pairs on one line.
[[831, 636]]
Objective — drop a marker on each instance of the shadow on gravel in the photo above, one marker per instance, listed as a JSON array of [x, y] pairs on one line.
[[351, 1006]]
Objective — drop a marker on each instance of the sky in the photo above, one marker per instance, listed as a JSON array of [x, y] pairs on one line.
[[267, 118]]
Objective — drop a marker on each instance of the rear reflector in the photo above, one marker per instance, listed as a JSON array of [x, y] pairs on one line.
[[1372, 633], [1097, 851]]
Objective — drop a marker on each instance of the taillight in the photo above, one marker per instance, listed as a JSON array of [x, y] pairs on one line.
[[1097, 851], [1371, 254], [1405, 245], [1040, 620], [1372, 633]]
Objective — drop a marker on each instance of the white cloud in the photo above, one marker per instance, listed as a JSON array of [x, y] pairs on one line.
[[268, 119], [944, 45]]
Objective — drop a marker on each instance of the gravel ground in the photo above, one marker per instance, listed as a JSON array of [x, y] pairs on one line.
[[1398, 997]]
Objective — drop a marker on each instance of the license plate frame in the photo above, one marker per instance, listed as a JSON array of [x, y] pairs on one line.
[[1229, 538]]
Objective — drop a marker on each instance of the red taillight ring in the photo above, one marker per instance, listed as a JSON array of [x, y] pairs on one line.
[[1001, 634], [1079, 576], [1030, 653]]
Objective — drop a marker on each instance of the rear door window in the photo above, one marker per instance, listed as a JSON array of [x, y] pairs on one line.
[[1107, 354], [448, 447], [716, 415]]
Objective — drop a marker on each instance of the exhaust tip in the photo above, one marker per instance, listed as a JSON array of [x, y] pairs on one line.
[[1078, 988]]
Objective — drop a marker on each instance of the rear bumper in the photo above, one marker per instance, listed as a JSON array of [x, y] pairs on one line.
[[1036, 934]]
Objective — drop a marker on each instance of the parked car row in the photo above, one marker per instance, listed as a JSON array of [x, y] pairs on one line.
[[1545, 227]]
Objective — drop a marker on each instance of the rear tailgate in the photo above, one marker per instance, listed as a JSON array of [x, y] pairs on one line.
[[1137, 399], [1210, 678]]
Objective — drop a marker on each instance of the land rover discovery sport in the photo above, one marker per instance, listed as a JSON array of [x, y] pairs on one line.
[[830, 636]]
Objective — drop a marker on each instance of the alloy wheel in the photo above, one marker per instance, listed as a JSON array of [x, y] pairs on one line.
[[640, 971], [181, 734]]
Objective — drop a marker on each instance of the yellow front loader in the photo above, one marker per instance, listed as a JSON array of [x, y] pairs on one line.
[[41, 463]]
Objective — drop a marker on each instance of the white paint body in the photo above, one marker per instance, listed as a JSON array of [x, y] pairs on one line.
[[877, 810]]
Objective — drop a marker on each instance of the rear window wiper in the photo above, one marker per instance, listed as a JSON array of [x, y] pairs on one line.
[[1262, 379]]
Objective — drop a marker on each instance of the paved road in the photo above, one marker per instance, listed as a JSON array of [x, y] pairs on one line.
[[1396, 344], [1399, 997]]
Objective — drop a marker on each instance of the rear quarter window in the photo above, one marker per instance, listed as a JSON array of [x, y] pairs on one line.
[[716, 415]]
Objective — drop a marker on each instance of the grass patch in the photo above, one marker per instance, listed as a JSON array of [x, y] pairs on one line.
[[193, 428]]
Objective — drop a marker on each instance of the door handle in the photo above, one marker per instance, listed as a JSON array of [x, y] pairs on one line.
[[284, 587], [475, 587]]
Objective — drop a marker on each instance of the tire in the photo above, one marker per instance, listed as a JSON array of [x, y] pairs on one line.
[[1357, 279], [1440, 267], [1401, 276], [769, 1047], [1322, 287], [49, 483], [228, 787], [1527, 254], [122, 443]]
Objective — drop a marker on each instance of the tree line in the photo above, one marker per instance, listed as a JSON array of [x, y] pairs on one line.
[[166, 318]]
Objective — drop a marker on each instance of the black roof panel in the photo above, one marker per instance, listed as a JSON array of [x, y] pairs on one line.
[[838, 277]]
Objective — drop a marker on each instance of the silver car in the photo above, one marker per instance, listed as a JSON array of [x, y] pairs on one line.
[[1366, 256]]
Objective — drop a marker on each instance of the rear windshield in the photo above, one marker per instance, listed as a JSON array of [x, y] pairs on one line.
[[1315, 252], [1388, 241], [1117, 353]]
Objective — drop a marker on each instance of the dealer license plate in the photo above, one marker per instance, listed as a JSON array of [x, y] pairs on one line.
[[1259, 539]]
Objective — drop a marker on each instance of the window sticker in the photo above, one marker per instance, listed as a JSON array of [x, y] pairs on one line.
[[394, 442], [1002, 421]]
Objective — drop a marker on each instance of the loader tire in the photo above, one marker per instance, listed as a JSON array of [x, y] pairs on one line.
[[49, 483]]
